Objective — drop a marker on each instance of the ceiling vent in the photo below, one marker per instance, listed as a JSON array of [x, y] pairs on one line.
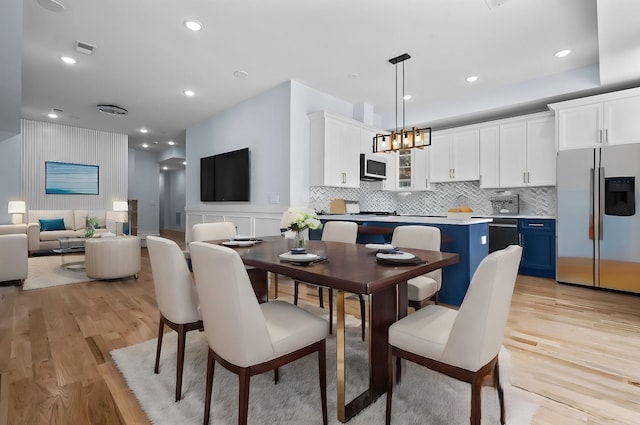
[[82, 47], [114, 110]]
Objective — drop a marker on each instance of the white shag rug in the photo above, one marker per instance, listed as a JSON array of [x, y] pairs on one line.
[[424, 397], [46, 271]]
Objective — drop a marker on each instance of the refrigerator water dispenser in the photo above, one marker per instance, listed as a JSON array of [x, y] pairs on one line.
[[619, 197]]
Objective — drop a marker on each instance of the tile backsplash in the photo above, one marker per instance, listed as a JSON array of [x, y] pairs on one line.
[[539, 201]]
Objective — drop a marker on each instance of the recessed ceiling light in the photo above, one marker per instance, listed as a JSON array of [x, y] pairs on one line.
[[52, 115], [354, 75], [143, 130], [189, 93], [68, 60], [193, 25], [472, 79], [406, 97], [240, 74], [52, 5], [144, 145], [165, 168], [171, 142], [562, 53], [184, 162]]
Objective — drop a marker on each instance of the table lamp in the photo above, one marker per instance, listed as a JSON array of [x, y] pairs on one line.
[[122, 207], [17, 208]]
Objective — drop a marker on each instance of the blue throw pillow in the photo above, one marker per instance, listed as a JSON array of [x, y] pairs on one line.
[[51, 224]]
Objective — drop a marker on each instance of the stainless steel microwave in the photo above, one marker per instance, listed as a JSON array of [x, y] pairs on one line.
[[372, 167]]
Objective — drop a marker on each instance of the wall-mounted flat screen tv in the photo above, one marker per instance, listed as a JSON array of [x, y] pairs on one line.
[[225, 177], [65, 178]]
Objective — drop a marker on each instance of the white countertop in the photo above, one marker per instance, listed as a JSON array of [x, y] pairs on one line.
[[404, 219]]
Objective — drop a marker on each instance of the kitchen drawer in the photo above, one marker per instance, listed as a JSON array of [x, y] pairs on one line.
[[536, 224]]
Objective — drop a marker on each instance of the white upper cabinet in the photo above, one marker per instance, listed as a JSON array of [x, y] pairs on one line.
[[490, 157], [596, 121], [454, 156], [334, 151], [518, 152], [411, 170]]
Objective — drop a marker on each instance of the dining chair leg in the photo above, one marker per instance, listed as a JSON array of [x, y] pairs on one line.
[[476, 387], [243, 406], [295, 292], [496, 380], [362, 314], [182, 334], [275, 285], [160, 335], [387, 418], [322, 368], [211, 363], [276, 375]]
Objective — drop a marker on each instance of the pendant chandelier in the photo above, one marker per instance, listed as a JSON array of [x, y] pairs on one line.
[[401, 138]]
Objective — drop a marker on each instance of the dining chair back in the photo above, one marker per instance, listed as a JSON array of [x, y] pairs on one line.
[[425, 288], [213, 231], [244, 336], [175, 295], [464, 343]]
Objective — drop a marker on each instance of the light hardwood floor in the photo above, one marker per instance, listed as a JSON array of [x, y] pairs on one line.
[[575, 351]]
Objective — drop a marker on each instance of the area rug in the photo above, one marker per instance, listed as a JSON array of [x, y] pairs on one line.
[[423, 397], [46, 271]]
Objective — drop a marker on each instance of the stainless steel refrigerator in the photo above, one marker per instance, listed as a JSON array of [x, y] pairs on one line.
[[598, 227]]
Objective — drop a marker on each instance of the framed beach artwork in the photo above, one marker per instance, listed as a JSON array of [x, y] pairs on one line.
[[65, 178]]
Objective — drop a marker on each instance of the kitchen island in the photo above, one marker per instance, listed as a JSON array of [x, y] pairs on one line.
[[468, 238]]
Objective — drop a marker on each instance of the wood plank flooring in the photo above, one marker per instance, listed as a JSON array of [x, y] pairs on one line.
[[574, 350]]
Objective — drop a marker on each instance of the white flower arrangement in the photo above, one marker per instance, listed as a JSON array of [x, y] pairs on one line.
[[298, 219]]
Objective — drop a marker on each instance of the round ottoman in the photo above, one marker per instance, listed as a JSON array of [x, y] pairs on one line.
[[112, 258]]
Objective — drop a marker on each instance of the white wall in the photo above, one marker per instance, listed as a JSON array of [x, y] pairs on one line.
[[144, 186], [43, 141], [10, 68], [10, 183]]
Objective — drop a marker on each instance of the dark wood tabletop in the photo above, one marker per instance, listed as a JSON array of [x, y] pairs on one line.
[[349, 267]]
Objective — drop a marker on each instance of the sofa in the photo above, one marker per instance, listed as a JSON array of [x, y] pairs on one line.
[[44, 234], [13, 253]]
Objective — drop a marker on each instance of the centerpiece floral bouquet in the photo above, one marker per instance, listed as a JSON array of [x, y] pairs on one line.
[[298, 219]]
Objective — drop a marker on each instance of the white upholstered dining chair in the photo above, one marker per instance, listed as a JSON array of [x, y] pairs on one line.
[[463, 344], [176, 297], [421, 289], [213, 231], [336, 231], [245, 337]]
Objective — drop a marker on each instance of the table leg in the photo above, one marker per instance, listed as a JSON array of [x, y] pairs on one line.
[[260, 283], [383, 312]]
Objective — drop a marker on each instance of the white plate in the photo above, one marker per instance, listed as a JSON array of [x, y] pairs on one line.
[[301, 258], [242, 238], [238, 243], [399, 256], [379, 246]]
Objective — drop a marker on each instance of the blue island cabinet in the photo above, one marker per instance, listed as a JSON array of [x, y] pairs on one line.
[[467, 240], [538, 241]]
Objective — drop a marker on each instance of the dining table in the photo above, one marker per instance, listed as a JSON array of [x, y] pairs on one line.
[[347, 268]]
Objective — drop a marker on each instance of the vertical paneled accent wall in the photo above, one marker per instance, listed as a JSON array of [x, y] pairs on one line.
[[43, 141]]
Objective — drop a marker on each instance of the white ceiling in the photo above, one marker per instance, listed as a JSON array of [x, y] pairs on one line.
[[145, 57]]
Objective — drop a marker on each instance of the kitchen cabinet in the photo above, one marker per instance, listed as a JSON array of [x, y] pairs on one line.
[[538, 241], [518, 153], [597, 121], [411, 169], [454, 156], [334, 151]]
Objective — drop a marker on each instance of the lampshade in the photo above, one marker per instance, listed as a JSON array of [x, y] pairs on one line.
[[120, 206], [17, 207]]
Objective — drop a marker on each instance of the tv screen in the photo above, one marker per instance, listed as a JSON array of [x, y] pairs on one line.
[[225, 177], [63, 178]]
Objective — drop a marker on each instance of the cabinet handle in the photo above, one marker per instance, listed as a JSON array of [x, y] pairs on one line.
[[524, 177], [535, 225], [528, 178], [344, 178], [606, 136]]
